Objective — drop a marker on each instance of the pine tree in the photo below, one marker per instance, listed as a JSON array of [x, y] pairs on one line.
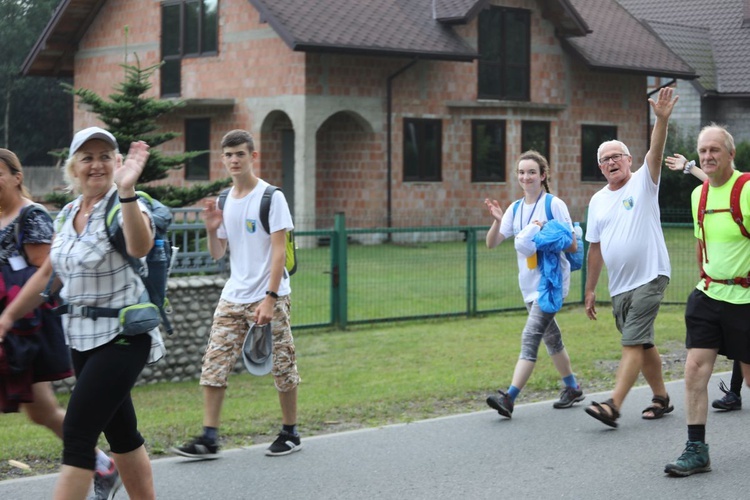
[[130, 116]]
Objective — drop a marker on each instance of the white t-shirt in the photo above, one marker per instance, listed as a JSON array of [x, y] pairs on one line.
[[528, 279], [250, 246], [627, 223]]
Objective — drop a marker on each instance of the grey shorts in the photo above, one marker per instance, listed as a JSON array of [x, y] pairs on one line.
[[635, 311]]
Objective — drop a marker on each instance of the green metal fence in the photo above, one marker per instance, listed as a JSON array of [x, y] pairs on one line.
[[429, 272]]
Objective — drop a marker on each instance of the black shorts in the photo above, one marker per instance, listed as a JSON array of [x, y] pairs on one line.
[[715, 324]]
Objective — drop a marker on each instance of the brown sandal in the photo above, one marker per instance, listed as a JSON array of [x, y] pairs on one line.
[[597, 411], [659, 408]]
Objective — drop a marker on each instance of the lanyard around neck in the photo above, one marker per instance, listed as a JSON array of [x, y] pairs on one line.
[[532, 210]]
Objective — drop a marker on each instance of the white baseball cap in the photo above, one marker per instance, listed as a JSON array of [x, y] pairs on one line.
[[87, 134]]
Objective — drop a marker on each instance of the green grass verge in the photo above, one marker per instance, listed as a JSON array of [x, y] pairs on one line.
[[369, 376]]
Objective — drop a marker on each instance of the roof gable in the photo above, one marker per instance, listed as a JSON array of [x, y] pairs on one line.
[[728, 36], [382, 27], [619, 42]]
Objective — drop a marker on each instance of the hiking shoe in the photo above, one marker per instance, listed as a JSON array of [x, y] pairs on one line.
[[502, 403], [568, 397], [106, 485], [199, 447], [730, 401], [693, 460], [284, 445]]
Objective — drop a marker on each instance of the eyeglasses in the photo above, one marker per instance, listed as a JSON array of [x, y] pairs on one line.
[[615, 158]]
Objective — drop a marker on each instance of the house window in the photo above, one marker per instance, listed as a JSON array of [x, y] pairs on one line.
[[422, 149], [488, 151], [198, 138], [535, 135], [504, 54], [189, 28], [591, 138]]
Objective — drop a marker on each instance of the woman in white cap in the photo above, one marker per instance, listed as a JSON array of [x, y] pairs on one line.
[[97, 280], [526, 216]]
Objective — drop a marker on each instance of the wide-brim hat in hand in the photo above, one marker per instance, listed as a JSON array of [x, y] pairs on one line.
[[257, 350]]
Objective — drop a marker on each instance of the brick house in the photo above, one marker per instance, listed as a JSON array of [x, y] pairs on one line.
[[714, 39], [402, 112]]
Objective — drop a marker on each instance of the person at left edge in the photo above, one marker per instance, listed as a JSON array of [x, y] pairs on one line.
[[93, 274]]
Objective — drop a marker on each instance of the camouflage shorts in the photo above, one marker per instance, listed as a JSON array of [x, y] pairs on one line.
[[230, 325]]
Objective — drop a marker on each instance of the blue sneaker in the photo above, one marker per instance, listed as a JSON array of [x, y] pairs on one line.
[[693, 460]]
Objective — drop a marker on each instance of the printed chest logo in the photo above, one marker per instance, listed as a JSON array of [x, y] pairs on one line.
[[251, 225], [628, 203]]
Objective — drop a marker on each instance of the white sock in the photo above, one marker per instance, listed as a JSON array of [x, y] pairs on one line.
[[103, 462]]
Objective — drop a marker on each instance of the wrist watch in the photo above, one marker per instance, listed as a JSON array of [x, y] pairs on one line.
[[688, 167]]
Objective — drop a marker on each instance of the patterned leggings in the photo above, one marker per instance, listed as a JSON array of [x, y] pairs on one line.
[[540, 326]]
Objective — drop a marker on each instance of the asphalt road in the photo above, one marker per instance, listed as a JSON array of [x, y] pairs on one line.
[[542, 453]]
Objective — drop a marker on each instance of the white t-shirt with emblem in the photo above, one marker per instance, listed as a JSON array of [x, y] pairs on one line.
[[627, 224], [512, 224], [249, 245]]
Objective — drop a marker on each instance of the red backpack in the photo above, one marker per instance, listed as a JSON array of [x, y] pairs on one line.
[[736, 212]]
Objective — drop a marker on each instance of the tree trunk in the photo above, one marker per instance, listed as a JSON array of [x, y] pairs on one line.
[[6, 118]]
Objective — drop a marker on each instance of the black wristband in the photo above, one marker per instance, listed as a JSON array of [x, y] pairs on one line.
[[129, 200], [272, 294]]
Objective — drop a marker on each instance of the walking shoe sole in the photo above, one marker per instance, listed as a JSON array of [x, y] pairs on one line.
[[202, 456], [724, 408], [495, 406], [559, 405], [686, 473], [115, 488]]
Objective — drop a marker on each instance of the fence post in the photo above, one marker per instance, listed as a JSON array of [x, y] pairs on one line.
[[471, 271], [339, 313]]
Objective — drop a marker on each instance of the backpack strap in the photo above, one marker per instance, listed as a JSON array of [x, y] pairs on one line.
[[516, 204], [223, 198], [265, 207], [734, 203], [735, 211], [548, 206]]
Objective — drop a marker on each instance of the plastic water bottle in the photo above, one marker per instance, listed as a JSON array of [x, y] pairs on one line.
[[157, 263]]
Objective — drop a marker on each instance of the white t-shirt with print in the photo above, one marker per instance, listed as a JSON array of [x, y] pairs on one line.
[[627, 224], [528, 279], [249, 244]]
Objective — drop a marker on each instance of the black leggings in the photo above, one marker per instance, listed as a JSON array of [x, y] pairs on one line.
[[101, 402]]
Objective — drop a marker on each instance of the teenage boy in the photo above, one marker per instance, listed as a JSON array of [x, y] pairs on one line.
[[257, 291]]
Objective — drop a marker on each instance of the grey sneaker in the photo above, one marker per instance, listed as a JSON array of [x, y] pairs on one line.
[[106, 485], [693, 460], [568, 397], [502, 403], [729, 402]]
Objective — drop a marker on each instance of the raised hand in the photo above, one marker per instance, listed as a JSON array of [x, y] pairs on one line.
[[664, 103], [212, 216], [676, 162], [128, 172], [494, 208]]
